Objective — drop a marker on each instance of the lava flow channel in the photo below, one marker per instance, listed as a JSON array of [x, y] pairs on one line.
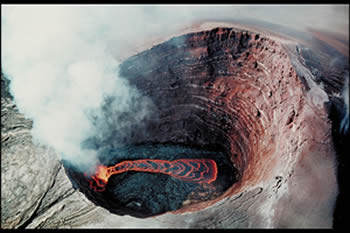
[[191, 170]]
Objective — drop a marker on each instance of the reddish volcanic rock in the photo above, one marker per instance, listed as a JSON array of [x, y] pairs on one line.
[[222, 87], [238, 90], [255, 97]]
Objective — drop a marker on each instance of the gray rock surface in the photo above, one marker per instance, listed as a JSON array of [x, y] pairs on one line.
[[27, 171], [36, 192]]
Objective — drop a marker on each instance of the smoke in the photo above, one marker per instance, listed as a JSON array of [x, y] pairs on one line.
[[61, 70], [62, 66]]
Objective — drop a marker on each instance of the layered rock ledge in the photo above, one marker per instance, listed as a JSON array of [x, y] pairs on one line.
[[230, 88]]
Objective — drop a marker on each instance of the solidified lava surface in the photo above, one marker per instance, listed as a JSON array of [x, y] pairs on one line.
[[222, 94], [191, 170], [144, 194]]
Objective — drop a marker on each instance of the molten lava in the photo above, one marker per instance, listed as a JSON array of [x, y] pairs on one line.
[[191, 170]]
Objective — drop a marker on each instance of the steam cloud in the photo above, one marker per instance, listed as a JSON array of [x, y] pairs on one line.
[[61, 62]]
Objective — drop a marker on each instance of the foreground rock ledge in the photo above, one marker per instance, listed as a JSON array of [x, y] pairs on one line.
[[249, 93]]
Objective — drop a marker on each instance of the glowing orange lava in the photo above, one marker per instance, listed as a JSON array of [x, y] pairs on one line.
[[191, 170]]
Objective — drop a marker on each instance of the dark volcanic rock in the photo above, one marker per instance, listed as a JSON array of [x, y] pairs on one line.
[[237, 90], [234, 87]]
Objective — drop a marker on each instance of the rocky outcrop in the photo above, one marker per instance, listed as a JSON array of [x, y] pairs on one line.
[[228, 88], [27, 171]]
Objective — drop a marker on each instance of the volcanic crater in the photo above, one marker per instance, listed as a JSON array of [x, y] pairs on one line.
[[222, 94]]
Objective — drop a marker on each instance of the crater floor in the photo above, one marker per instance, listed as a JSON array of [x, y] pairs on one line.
[[253, 97]]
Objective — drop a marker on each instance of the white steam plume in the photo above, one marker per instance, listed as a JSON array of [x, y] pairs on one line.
[[60, 62], [61, 69]]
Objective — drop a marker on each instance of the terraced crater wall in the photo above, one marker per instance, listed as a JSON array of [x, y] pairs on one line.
[[226, 88]]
